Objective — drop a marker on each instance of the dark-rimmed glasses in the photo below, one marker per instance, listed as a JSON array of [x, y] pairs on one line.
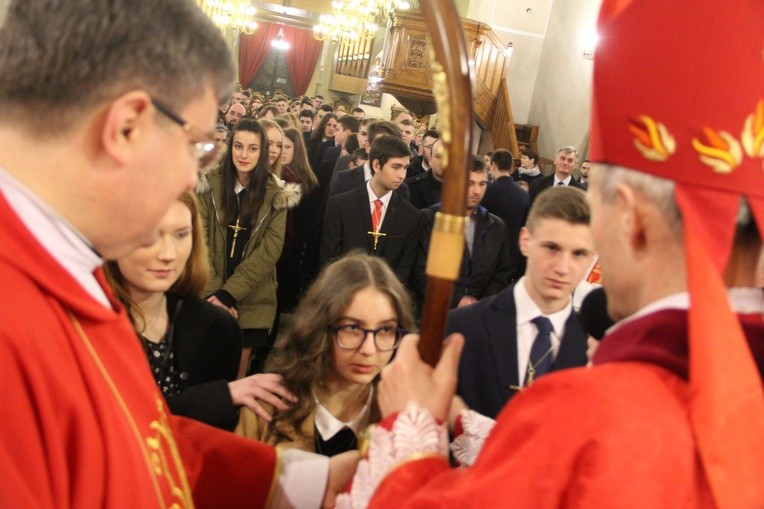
[[206, 152], [351, 336]]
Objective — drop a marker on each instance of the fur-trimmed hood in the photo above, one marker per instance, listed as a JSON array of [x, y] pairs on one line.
[[287, 196]]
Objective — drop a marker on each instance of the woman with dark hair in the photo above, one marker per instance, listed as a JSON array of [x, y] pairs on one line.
[[324, 132], [345, 331], [193, 347], [245, 216]]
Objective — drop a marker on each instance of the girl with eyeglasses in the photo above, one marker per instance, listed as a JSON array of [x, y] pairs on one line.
[[345, 330]]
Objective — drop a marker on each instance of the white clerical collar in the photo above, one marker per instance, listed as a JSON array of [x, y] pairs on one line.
[[527, 309], [679, 301], [746, 301], [328, 425], [60, 239]]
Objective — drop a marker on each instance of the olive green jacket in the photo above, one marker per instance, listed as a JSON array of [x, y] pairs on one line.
[[253, 283]]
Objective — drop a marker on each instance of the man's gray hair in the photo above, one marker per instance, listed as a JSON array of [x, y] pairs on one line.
[[658, 191], [64, 57], [568, 149]]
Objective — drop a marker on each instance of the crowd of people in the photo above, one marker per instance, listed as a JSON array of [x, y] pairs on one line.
[[211, 310]]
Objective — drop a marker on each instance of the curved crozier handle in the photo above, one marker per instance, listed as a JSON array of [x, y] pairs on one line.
[[453, 94]]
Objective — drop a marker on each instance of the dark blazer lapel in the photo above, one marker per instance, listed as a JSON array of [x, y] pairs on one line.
[[572, 346], [364, 209], [501, 328]]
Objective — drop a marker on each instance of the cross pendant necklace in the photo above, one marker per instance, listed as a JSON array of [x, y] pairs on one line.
[[531, 371], [236, 229], [377, 235]]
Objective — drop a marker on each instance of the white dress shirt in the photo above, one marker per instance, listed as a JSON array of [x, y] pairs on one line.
[[527, 310], [384, 199]]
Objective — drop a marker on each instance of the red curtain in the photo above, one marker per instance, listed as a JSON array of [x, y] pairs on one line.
[[302, 57], [253, 49]]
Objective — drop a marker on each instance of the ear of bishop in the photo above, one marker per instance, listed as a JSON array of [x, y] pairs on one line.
[[693, 112]]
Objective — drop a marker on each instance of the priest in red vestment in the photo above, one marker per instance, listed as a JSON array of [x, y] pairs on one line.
[[672, 413], [106, 110]]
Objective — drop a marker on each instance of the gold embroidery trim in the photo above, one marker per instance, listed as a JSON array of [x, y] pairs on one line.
[[276, 474], [184, 493]]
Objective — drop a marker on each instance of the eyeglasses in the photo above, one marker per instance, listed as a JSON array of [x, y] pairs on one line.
[[351, 336], [206, 152]]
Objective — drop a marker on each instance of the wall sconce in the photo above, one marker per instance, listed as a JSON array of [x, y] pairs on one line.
[[589, 42]]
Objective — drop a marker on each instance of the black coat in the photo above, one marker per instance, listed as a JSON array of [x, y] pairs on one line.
[[424, 190], [206, 343], [505, 199], [486, 272], [544, 183], [348, 221]]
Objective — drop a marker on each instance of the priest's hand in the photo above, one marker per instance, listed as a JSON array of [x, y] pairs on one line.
[[267, 387], [341, 470], [407, 378]]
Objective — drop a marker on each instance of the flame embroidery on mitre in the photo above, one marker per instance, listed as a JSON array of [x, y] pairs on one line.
[[753, 132], [721, 151], [652, 138]]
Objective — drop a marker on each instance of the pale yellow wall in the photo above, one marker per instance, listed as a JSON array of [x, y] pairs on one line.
[[549, 80]]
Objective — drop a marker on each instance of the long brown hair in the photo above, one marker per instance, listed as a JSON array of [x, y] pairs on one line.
[[300, 165], [255, 195], [192, 279], [304, 357], [318, 133]]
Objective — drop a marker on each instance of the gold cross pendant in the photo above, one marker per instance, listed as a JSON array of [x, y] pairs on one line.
[[376, 235], [236, 229], [531, 374]]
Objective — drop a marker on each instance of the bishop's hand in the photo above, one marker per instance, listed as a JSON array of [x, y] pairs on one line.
[[407, 378]]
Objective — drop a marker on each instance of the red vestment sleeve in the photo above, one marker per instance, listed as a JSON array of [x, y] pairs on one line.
[[216, 461], [605, 437]]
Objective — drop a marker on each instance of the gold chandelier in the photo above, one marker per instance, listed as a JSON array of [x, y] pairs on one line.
[[354, 20], [236, 15]]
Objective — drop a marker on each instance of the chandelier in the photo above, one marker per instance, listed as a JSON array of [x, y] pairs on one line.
[[231, 14], [355, 20]]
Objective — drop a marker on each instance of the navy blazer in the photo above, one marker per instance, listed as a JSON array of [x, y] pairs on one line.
[[488, 366]]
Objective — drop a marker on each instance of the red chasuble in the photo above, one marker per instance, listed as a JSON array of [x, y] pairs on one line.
[[617, 435], [83, 423]]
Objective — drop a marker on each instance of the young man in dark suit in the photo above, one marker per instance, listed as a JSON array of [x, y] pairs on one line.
[[564, 162], [505, 199], [374, 217], [530, 328]]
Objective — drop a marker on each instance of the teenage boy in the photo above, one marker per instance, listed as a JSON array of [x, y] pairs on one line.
[[530, 328], [374, 217]]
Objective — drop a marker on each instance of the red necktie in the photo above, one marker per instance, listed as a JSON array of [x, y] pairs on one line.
[[376, 215]]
